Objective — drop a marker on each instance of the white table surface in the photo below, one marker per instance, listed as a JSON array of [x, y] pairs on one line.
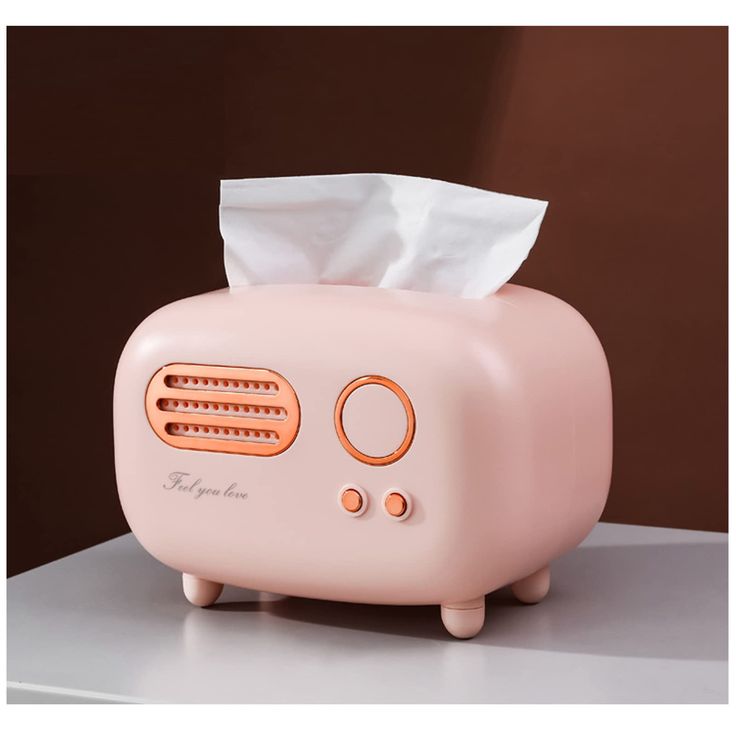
[[636, 614]]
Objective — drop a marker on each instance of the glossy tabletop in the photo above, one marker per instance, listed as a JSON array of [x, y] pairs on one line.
[[636, 614]]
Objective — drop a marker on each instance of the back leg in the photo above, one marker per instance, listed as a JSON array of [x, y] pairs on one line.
[[534, 587]]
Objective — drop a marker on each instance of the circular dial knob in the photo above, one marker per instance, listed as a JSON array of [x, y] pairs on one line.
[[351, 501], [395, 504]]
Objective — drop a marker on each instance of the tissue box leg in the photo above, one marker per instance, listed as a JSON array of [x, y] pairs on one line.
[[200, 592], [532, 588], [464, 619]]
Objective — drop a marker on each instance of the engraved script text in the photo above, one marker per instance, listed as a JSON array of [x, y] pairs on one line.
[[182, 482]]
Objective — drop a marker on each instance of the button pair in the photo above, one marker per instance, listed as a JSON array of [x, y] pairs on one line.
[[354, 501]]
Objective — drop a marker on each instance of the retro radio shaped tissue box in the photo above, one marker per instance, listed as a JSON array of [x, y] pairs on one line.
[[362, 444]]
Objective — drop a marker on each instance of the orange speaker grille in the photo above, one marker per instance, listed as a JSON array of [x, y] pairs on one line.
[[246, 411]]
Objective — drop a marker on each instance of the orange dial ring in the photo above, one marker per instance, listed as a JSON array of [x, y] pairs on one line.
[[399, 392]]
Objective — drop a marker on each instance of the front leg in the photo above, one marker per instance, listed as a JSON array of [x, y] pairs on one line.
[[464, 619], [200, 592]]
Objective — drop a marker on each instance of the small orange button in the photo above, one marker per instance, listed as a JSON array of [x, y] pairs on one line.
[[395, 504], [352, 501]]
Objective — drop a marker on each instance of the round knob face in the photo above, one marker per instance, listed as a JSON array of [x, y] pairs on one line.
[[395, 504], [374, 420], [351, 501]]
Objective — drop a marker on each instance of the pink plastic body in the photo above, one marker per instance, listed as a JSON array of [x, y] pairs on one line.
[[508, 469]]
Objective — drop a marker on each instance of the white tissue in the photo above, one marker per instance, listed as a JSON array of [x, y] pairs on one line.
[[384, 230]]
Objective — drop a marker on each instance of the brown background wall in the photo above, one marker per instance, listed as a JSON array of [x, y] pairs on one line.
[[118, 137]]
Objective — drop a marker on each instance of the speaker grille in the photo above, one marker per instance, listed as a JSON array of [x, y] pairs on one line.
[[246, 411]]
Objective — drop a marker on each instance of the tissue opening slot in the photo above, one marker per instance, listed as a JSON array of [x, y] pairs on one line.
[[199, 383], [226, 409], [203, 431]]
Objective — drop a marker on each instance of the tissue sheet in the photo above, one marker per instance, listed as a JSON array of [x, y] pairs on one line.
[[384, 230]]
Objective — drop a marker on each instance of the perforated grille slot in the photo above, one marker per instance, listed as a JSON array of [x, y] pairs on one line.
[[249, 411], [238, 435], [227, 409], [199, 383]]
